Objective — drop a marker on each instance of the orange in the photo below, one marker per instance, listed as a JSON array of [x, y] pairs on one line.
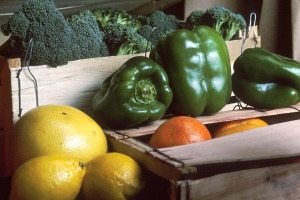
[[56, 129], [179, 130], [231, 127]]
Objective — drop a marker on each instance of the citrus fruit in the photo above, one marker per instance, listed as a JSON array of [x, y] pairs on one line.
[[46, 178], [56, 129], [231, 127], [112, 176], [179, 130]]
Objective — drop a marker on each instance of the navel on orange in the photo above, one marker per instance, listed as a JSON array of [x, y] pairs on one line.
[[179, 130]]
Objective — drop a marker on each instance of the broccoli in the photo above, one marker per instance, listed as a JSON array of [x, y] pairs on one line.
[[89, 37], [119, 16], [156, 25], [194, 19], [224, 21], [216, 17], [122, 40], [234, 23], [55, 42]]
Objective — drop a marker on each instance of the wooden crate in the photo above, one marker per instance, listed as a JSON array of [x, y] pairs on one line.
[[73, 84], [262, 163]]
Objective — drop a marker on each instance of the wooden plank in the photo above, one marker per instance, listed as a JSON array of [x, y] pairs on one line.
[[5, 115], [226, 114], [273, 141], [151, 6], [272, 145], [276, 183], [138, 150]]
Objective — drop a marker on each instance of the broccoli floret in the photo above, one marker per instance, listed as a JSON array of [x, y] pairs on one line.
[[234, 23], [89, 37], [123, 40], [194, 19], [216, 17], [133, 44], [55, 40], [119, 16], [103, 16], [52, 37], [224, 21], [156, 25]]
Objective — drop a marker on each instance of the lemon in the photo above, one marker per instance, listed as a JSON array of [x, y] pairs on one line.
[[47, 177], [112, 176], [56, 129]]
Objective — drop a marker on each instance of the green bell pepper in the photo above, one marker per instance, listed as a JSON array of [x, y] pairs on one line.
[[266, 80], [138, 92], [198, 66]]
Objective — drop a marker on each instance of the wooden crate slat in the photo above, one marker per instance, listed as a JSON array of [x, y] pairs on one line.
[[276, 183], [226, 114], [151, 6], [5, 114], [272, 145], [273, 141]]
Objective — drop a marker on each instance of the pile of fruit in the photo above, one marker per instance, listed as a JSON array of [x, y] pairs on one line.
[[59, 152]]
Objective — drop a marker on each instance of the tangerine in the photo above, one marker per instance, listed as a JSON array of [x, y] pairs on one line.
[[231, 127], [179, 130]]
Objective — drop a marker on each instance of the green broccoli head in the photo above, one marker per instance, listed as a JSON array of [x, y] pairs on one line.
[[224, 21], [216, 17], [194, 19], [163, 21], [51, 35], [89, 37], [114, 34], [119, 16], [133, 44], [234, 23], [103, 16], [55, 40], [157, 25], [123, 40]]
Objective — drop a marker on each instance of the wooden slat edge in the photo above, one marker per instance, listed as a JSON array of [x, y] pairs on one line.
[[222, 116], [151, 6], [269, 142], [276, 183], [5, 115], [138, 151]]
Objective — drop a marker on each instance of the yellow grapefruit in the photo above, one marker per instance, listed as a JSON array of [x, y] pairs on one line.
[[56, 129]]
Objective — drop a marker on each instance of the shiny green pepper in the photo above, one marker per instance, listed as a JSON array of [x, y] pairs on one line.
[[137, 93], [198, 66], [266, 80]]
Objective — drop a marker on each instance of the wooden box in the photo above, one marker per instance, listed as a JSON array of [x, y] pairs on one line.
[[262, 163]]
